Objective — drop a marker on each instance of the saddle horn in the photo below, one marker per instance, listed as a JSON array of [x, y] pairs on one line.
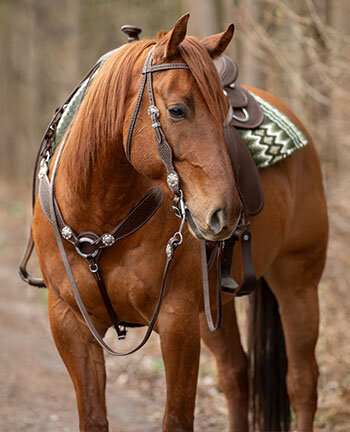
[[132, 32]]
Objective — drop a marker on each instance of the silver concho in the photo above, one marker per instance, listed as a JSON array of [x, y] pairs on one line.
[[169, 250], [153, 110], [172, 180], [108, 239], [66, 232], [43, 170]]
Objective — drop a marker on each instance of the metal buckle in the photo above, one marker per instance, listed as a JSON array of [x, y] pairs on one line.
[[121, 331], [82, 254], [93, 268], [242, 119], [177, 238], [180, 207]]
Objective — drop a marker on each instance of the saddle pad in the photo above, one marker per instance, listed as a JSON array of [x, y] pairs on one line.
[[73, 105], [275, 139]]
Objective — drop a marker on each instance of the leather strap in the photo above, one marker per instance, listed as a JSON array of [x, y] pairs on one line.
[[164, 149], [228, 284], [92, 243], [247, 176], [138, 216], [206, 289], [22, 270], [121, 332], [134, 117], [249, 275], [242, 234], [171, 246], [45, 150]]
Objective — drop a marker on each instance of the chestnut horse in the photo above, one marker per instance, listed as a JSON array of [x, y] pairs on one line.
[[96, 187]]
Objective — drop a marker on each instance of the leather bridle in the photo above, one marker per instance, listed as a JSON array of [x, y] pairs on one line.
[[173, 180]]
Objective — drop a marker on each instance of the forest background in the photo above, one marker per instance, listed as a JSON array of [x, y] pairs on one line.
[[298, 50]]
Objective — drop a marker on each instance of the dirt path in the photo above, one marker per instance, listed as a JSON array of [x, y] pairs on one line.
[[36, 394]]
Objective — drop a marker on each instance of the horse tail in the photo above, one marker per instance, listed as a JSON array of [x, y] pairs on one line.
[[269, 399]]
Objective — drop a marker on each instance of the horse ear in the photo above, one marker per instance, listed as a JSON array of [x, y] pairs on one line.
[[177, 35], [217, 44]]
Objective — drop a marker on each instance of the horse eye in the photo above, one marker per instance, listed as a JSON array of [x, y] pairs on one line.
[[177, 113]]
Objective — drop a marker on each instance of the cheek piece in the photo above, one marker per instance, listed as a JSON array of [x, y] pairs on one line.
[[164, 150]]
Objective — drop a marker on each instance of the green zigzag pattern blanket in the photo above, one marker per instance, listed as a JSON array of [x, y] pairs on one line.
[[275, 139]]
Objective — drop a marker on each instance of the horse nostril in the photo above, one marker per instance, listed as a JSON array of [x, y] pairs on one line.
[[216, 221]]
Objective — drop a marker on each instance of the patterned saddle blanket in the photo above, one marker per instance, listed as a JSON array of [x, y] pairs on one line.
[[276, 138]]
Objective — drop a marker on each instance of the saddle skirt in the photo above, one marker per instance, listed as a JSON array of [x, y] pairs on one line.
[[247, 114]]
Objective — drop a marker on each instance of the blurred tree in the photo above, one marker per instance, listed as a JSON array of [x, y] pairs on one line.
[[298, 50], [204, 17], [46, 47]]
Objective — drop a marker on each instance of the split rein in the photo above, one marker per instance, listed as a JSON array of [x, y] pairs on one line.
[[88, 244]]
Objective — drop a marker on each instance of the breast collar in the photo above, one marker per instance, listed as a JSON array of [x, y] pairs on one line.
[[89, 245]]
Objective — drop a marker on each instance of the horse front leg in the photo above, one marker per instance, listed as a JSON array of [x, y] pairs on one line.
[[84, 360], [180, 343]]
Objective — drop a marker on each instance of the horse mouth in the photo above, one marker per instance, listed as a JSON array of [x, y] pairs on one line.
[[202, 234]]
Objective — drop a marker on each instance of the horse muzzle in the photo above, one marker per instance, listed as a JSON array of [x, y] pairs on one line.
[[216, 226]]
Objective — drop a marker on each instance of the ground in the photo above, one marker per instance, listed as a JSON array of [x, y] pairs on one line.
[[36, 394]]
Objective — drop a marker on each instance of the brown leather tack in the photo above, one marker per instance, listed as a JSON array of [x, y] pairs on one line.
[[244, 105], [246, 173]]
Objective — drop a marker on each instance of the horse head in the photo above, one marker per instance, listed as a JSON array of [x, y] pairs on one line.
[[192, 111]]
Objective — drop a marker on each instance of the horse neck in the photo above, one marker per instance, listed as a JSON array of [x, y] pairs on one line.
[[112, 188]]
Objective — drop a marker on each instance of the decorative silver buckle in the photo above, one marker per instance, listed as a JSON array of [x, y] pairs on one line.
[[43, 169], [153, 110], [67, 232], [153, 113], [172, 180], [108, 239]]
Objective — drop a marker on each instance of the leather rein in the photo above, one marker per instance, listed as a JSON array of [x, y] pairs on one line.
[[89, 245]]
